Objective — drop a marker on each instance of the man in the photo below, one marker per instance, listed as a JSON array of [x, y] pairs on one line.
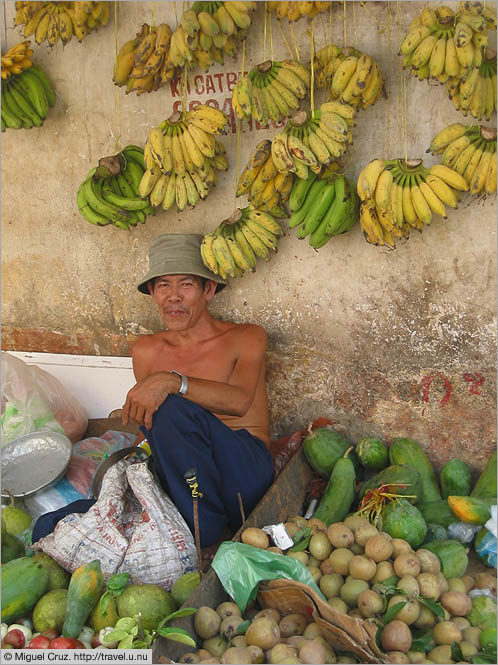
[[200, 396]]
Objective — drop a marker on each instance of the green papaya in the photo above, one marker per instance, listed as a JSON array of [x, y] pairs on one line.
[[455, 479], [322, 448], [407, 451], [403, 520]]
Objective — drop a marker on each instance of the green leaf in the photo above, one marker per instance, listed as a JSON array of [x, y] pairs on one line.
[[387, 587], [378, 634], [484, 657], [126, 643], [184, 612], [104, 601], [456, 652], [301, 534], [177, 635], [117, 581], [393, 611], [301, 545], [423, 642], [116, 636], [241, 628], [126, 624], [433, 606]]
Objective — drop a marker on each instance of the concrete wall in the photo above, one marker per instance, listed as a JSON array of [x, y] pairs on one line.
[[385, 342]]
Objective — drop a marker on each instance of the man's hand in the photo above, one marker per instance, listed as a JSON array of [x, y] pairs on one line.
[[146, 396]]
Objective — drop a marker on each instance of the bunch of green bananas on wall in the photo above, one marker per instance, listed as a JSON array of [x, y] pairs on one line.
[[266, 187], [110, 192], [470, 150], [52, 21], [351, 76], [293, 11], [271, 90], [208, 31], [182, 156], [476, 92], [399, 195], [310, 141], [142, 64], [234, 247], [16, 59], [323, 208], [442, 44], [26, 99]]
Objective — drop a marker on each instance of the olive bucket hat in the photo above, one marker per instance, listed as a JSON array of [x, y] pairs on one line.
[[177, 254]]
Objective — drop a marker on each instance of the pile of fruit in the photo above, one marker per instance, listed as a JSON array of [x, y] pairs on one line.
[[271, 90], [110, 193], [52, 21], [182, 156], [27, 93], [293, 11]]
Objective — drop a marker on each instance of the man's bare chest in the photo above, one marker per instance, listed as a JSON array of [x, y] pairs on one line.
[[213, 361]]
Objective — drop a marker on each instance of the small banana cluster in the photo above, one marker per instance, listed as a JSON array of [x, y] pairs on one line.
[[399, 195], [26, 99], [182, 156], [208, 31], [16, 59], [267, 188], [442, 44], [476, 92], [310, 142], [470, 150], [271, 91], [234, 247], [323, 208], [351, 76], [293, 11], [52, 21], [143, 64], [109, 194]]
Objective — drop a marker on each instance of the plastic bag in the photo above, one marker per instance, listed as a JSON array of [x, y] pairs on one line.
[[462, 531], [486, 548], [53, 498], [241, 567], [34, 400]]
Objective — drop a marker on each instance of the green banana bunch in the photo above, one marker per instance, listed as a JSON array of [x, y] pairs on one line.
[[236, 244], [110, 192], [26, 99], [322, 209]]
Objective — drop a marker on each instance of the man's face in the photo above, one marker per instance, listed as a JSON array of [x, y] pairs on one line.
[[181, 299]]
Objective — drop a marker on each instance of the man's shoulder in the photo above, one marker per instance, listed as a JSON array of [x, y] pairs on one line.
[[148, 342]]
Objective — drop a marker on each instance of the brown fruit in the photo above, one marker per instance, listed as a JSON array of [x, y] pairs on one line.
[[350, 591], [339, 559], [256, 653], [206, 622], [292, 624], [409, 584], [461, 622], [296, 640], [385, 570], [457, 603], [370, 603], [319, 546], [315, 573], [425, 619], [312, 630], [238, 641], [355, 521], [300, 556], [468, 649], [274, 549], [400, 546], [429, 562], [263, 632], [338, 604], [469, 582], [330, 585], [189, 658], [316, 525], [229, 625], [443, 583], [292, 528], [362, 568], [407, 564], [363, 533], [237, 655], [429, 585], [326, 567], [202, 654], [485, 581], [216, 646], [445, 632], [301, 521], [397, 657], [313, 652], [456, 584], [356, 549], [411, 610], [340, 535], [281, 651], [396, 636], [268, 613], [228, 609], [441, 654], [379, 548], [415, 656], [472, 635], [255, 537]]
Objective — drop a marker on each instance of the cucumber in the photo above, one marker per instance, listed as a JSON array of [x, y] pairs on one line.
[[452, 556], [373, 453], [407, 451], [438, 512], [402, 520], [339, 493], [470, 509], [455, 479], [322, 448], [406, 481], [486, 483], [24, 582]]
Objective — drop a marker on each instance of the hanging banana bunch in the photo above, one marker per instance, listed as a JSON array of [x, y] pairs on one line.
[[323, 208], [16, 59], [182, 156], [476, 92], [234, 247], [399, 195], [442, 44], [52, 21], [208, 31], [271, 91], [310, 142], [351, 76], [26, 97], [267, 189], [480, 9], [470, 150], [293, 11], [110, 192], [142, 64]]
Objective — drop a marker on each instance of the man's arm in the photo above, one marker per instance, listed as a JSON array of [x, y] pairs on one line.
[[232, 398]]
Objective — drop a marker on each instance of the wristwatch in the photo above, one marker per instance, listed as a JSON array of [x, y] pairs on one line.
[[184, 384]]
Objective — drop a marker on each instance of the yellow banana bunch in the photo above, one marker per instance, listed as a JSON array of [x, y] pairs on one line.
[[293, 11], [470, 150], [351, 76], [442, 44], [476, 92], [16, 59], [271, 91], [142, 63], [400, 195], [236, 244], [51, 21], [182, 156]]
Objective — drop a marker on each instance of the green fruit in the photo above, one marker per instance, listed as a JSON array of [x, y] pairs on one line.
[[487, 639], [486, 483], [184, 586], [15, 520], [452, 556], [483, 612], [435, 532], [322, 448], [373, 453], [405, 479], [50, 611], [402, 520], [58, 578], [407, 451], [12, 548], [455, 479], [97, 621], [437, 512], [152, 601]]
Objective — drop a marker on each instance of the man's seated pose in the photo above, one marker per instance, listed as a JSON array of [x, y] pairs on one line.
[[200, 396]]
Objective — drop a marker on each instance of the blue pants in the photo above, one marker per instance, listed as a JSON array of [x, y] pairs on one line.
[[186, 436]]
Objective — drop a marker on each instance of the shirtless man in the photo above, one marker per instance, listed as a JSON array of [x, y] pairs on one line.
[[200, 396]]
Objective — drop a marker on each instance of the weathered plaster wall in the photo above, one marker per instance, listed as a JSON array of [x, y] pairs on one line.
[[384, 342]]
